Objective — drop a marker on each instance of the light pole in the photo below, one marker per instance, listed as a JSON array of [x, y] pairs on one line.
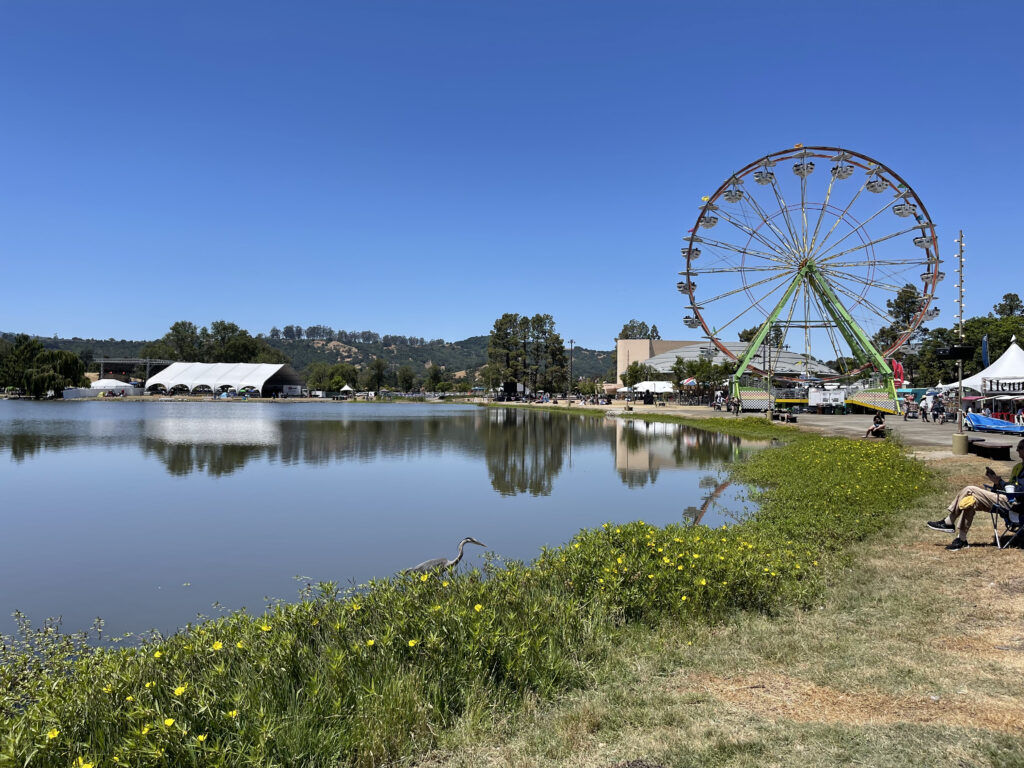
[[960, 334], [571, 342]]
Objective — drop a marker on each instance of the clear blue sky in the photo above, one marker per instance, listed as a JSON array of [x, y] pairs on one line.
[[420, 167]]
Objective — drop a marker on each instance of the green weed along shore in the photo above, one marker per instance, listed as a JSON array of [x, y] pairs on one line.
[[368, 679]]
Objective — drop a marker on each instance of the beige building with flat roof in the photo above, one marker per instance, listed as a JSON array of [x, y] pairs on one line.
[[641, 350]]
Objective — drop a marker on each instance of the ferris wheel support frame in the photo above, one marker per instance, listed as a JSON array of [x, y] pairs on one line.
[[859, 342]]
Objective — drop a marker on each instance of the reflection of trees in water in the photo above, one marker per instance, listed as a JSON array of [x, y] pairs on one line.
[[677, 445], [24, 439], [524, 450], [215, 460]]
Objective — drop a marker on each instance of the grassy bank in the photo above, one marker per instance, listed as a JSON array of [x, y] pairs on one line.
[[370, 678], [911, 656]]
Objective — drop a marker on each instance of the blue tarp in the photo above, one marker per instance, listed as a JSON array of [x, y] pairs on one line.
[[981, 423]]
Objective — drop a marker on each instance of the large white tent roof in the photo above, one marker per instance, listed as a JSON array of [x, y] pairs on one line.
[[215, 375], [1010, 365], [782, 361], [110, 384]]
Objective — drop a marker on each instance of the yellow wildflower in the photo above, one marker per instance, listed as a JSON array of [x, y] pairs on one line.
[[107, 689], [233, 713], [180, 689], [157, 654], [129, 697], [239, 644], [478, 607], [53, 733], [424, 577], [703, 582], [370, 642], [82, 763], [150, 684], [217, 645], [146, 729], [444, 583], [169, 722], [266, 627], [412, 643], [201, 738]]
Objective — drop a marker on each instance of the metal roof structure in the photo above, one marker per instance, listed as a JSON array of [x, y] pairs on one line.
[[782, 362], [221, 376]]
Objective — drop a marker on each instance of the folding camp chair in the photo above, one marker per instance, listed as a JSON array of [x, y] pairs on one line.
[[1010, 510]]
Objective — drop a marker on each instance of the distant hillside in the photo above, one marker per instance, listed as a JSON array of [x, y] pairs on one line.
[[462, 355], [467, 354]]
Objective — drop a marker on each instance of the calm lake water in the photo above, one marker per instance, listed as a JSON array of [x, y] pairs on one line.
[[147, 513]]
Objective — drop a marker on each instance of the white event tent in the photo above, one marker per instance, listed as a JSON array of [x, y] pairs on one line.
[[1009, 367], [658, 387], [267, 378]]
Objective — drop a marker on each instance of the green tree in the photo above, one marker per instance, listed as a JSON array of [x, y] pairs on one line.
[[776, 336], [406, 378], [1010, 306], [435, 376], [26, 365], [637, 372], [635, 329], [504, 349], [184, 341], [378, 370]]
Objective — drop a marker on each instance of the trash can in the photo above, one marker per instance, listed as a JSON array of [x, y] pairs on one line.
[[959, 443]]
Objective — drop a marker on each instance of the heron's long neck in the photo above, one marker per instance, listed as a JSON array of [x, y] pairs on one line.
[[459, 556]]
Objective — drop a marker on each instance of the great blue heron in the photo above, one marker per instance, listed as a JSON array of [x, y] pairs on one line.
[[443, 563]]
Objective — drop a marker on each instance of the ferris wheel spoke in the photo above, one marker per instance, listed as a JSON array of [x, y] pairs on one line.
[[872, 283], [764, 217], [750, 231], [861, 226], [875, 262], [821, 213], [830, 331], [860, 300], [862, 246], [745, 251], [743, 288], [746, 309], [842, 216], [785, 211], [738, 268], [803, 214]]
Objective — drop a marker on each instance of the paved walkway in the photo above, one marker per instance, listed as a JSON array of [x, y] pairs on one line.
[[929, 440]]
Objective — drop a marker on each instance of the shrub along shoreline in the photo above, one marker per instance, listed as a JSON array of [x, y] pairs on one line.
[[370, 678]]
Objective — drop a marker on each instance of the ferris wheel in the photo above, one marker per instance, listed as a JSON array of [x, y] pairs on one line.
[[828, 269]]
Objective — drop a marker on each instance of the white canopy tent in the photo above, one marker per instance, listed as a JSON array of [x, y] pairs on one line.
[[657, 387], [1010, 365], [110, 384]]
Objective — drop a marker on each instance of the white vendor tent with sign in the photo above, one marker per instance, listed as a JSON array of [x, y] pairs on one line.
[[1004, 376]]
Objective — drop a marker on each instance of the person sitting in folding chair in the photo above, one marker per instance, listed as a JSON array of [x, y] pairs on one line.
[[972, 499]]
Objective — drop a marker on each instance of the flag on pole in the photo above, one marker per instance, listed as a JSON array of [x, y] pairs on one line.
[[984, 350]]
